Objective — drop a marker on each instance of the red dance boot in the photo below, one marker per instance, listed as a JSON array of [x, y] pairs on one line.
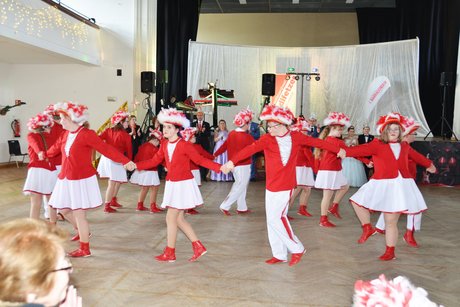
[[295, 258], [368, 231], [378, 230], [198, 250], [154, 208], [169, 255], [303, 211], [274, 260], [140, 206], [243, 212], [409, 238], [191, 211], [290, 218], [108, 209], [389, 254], [114, 203], [324, 222], [83, 251], [335, 210], [225, 212]]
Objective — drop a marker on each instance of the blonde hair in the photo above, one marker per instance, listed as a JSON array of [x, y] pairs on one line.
[[29, 251], [384, 136], [324, 133]]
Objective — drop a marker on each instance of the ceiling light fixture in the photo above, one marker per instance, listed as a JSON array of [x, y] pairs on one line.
[[295, 1], [243, 2], [349, 1]]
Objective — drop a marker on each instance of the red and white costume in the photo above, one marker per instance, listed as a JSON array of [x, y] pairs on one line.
[[41, 175], [149, 177], [330, 175], [280, 160], [77, 186], [305, 159], [392, 188], [237, 140], [194, 167], [414, 221], [181, 190], [121, 140]]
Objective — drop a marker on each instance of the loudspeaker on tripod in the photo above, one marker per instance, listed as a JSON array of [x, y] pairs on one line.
[[268, 84], [447, 78], [147, 82]]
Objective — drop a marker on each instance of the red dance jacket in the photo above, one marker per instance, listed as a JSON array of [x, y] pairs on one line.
[[236, 141]]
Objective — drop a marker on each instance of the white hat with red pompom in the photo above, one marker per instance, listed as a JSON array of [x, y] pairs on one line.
[[337, 119], [118, 117], [301, 125], [390, 118], [243, 117], [410, 126], [278, 114], [77, 113], [156, 134], [188, 133], [40, 120], [174, 117]]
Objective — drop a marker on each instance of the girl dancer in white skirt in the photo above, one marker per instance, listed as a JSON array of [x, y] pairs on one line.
[[280, 148], [237, 140], [181, 191], [304, 170], [148, 179], [41, 174], [189, 135], [330, 178], [391, 189], [414, 221], [77, 189], [120, 139]]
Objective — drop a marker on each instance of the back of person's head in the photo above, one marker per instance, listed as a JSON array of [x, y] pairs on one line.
[[29, 251]]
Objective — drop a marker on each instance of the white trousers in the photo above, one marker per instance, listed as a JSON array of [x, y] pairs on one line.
[[241, 174], [280, 234], [414, 221]]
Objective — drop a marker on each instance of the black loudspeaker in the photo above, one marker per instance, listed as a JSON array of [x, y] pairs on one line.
[[268, 84], [162, 77], [447, 79], [147, 82]]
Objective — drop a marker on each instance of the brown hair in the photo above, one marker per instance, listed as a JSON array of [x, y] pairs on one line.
[[118, 127], [384, 135], [324, 133], [29, 251]]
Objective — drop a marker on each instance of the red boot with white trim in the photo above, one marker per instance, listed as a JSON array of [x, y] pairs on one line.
[[114, 203], [335, 210], [198, 250], [389, 254], [409, 238], [140, 206], [303, 211], [169, 255], [324, 222], [368, 231], [108, 208], [82, 252], [154, 208]]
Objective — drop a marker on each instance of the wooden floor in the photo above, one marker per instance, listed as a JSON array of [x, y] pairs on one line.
[[122, 271]]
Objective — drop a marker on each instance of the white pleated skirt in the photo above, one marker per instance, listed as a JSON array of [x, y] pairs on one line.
[[145, 178], [398, 195], [76, 194], [40, 181], [183, 194], [330, 180], [304, 176], [112, 170], [353, 170], [197, 175]]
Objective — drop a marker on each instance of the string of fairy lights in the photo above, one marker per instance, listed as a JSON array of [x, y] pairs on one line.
[[36, 20]]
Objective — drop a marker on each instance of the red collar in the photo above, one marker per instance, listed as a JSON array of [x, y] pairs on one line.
[[282, 136], [78, 130], [178, 139]]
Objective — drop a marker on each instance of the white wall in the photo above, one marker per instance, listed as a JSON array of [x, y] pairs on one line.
[[40, 85]]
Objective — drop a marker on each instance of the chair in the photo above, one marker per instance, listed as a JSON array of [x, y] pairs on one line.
[[15, 151]]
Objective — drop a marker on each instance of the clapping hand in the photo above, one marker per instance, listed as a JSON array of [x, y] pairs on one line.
[[41, 155], [342, 153]]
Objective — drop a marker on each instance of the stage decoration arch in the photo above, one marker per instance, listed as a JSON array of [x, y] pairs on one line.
[[352, 77]]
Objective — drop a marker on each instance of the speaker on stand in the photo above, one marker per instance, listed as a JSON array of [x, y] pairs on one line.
[[147, 87], [445, 82]]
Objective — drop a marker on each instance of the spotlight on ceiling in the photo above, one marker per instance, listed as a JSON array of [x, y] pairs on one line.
[[317, 78], [308, 78], [243, 2], [295, 1], [297, 77]]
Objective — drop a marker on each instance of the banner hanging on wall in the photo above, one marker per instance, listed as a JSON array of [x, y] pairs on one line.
[[285, 92]]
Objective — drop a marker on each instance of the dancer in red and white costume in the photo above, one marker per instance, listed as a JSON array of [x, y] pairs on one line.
[[77, 189], [120, 139], [304, 170], [237, 140], [391, 189], [330, 178], [280, 147], [414, 221], [189, 135], [181, 190], [41, 174], [148, 179]]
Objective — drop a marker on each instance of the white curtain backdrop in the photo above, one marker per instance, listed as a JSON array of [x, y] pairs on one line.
[[346, 73]]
